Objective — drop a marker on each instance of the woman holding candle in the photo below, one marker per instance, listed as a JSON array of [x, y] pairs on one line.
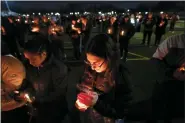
[[104, 91], [45, 75]]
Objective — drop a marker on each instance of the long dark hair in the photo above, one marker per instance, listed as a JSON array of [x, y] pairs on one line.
[[103, 46]]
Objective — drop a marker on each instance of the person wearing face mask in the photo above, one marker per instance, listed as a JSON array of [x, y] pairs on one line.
[[161, 24], [103, 85], [45, 75]]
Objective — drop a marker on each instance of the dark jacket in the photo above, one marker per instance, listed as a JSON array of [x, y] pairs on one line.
[[162, 29], [112, 104], [128, 29], [114, 29], [148, 24], [48, 81], [87, 32]]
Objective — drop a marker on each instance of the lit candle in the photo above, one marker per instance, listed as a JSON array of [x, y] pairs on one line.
[[122, 32], [27, 98], [81, 106], [109, 31], [182, 69], [72, 26]]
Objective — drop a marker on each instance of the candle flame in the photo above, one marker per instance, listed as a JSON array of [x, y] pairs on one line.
[[182, 69], [81, 105], [109, 31], [122, 33], [72, 26], [27, 97]]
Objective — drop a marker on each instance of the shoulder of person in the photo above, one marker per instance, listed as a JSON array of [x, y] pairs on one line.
[[176, 40]]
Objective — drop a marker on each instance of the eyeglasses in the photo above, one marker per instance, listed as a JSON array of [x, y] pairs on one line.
[[94, 64]]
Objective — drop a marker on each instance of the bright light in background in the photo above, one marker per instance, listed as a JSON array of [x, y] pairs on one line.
[[39, 13], [123, 13], [146, 12], [112, 12], [33, 13], [99, 12], [28, 15], [71, 13], [57, 13], [139, 12], [128, 10], [51, 13], [161, 12]]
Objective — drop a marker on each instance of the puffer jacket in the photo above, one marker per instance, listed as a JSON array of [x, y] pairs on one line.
[[47, 81], [13, 74]]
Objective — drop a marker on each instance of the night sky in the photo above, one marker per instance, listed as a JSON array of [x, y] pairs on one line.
[[53, 5]]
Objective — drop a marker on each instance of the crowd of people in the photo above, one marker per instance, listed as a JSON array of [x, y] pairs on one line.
[[39, 87]]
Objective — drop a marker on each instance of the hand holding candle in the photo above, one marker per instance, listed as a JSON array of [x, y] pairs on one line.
[[85, 100], [161, 24], [35, 29]]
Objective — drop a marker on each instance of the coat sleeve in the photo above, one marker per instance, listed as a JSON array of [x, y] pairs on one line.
[[59, 82], [162, 50], [122, 93], [8, 104]]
